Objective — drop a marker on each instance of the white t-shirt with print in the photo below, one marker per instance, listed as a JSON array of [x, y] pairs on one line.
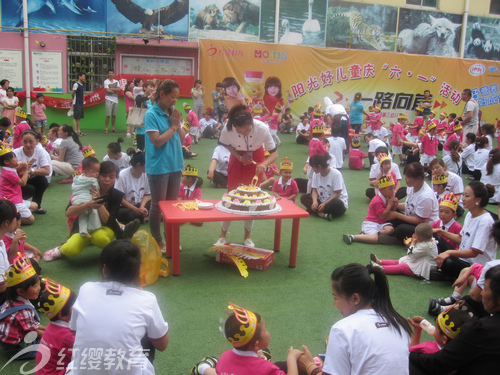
[[476, 234], [327, 185], [422, 203], [122, 163], [134, 188], [42, 158]]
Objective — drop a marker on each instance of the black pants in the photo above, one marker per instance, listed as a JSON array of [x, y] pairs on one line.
[[220, 179], [126, 215], [452, 266], [35, 188], [335, 207], [208, 132], [477, 174], [141, 141], [403, 230], [302, 184], [356, 127], [465, 169], [442, 244], [301, 140]]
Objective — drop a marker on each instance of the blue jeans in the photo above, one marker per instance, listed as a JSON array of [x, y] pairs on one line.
[[163, 187]]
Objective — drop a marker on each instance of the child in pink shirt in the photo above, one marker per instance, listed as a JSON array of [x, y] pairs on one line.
[[286, 187], [429, 145], [316, 146], [15, 242], [18, 133], [190, 184], [39, 113], [356, 156], [376, 121], [274, 122], [417, 124], [193, 123]]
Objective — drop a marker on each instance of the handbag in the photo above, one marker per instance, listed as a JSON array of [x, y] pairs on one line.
[[135, 117]]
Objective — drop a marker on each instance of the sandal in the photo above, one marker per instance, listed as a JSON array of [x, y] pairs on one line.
[[114, 131], [106, 131], [82, 134]]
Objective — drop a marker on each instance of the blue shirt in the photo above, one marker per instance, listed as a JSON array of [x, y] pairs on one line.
[[168, 157], [356, 114]]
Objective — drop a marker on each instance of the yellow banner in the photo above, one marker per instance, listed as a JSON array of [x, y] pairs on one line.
[[307, 74]]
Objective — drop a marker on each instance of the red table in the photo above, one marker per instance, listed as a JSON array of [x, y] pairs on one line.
[[174, 216]]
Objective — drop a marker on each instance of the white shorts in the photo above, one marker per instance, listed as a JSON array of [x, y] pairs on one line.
[[426, 159], [376, 133], [370, 227], [397, 150], [24, 209], [194, 130], [273, 131]]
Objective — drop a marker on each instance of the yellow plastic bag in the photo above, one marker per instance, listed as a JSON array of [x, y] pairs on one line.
[[152, 263]]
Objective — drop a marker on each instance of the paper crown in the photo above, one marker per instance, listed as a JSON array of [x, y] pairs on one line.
[[88, 151], [444, 114], [20, 112], [267, 153], [186, 106], [248, 322], [422, 132], [190, 171], [434, 112], [318, 128], [278, 107], [449, 200], [317, 105], [4, 148], [402, 116], [382, 157], [447, 326], [385, 182], [431, 126], [355, 142], [44, 139], [317, 111], [378, 107], [186, 126], [20, 270], [439, 180], [420, 109], [457, 127], [286, 163], [53, 298]]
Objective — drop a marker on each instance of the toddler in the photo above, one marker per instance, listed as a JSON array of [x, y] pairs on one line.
[[39, 113], [18, 316], [315, 144], [442, 126], [56, 302], [270, 174], [337, 146], [247, 333], [191, 184], [286, 187], [376, 220], [13, 176], [192, 122], [356, 156], [82, 185], [8, 212], [419, 261], [116, 156], [15, 242], [375, 121], [448, 326], [447, 213]]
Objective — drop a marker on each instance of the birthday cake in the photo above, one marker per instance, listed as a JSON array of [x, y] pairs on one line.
[[248, 198]]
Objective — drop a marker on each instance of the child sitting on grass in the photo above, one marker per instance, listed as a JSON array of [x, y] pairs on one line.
[[376, 220], [247, 333], [448, 326], [447, 213], [18, 316], [286, 187], [15, 242], [356, 156], [56, 302], [439, 184], [419, 261]]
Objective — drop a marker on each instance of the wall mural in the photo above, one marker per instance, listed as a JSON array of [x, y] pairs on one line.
[[483, 38], [56, 15], [429, 33], [225, 19], [373, 26]]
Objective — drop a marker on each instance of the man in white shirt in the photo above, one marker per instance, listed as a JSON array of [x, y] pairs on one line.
[[471, 113], [111, 97], [4, 85]]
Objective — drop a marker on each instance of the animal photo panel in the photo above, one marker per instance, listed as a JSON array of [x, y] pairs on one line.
[[483, 38]]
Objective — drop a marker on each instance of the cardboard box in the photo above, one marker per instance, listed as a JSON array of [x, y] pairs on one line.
[[256, 259]]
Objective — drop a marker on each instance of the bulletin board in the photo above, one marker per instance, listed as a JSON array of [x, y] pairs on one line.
[[11, 67], [157, 65]]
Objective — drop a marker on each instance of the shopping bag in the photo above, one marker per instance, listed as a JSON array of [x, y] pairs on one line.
[[135, 117], [152, 262]]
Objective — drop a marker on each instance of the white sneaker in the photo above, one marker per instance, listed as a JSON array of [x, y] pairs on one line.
[[220, 242], [129, 135], [248, 243]]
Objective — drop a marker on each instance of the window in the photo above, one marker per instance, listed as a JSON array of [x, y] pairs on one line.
[[424, 3], [495, 7], [90, 55]]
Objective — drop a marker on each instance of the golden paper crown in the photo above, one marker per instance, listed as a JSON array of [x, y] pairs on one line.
[[248, 322], [4, 148], [422, 132], [382, 157], [266, 153], [457, 127], [446, 325], [190, 171], [44, 139], [449, 200], [286, 163], [317, 112], [434, 111], [53, 298], [318, 105], [278, 107], [355, 142], [186, 106], [420, 109], [20, 112], [319, 128], [378, 107], [444, 114], [439, 180], [385, 182], [186, 126], [20, 270], [431, 126], [88, 151], [402, 116]]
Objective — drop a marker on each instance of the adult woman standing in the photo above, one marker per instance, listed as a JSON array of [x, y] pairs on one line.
[[164, 161], [40, 169], [113, 316], [357, 110], [128, 96], [372, 338], [69, 157], [197, 93], [476, 243], [245, 138], [421, 205], [475, 350]]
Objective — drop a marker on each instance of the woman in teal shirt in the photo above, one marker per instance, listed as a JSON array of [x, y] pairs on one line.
[[356, 114]]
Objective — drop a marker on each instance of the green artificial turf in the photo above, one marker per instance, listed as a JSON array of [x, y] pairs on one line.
[[296, 303]]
